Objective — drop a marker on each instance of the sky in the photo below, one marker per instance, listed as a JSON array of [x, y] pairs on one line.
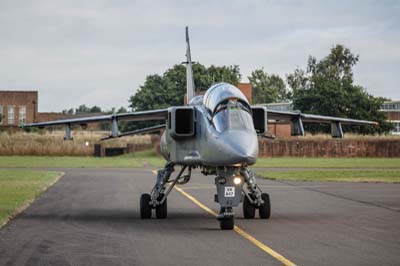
[[100, 52]]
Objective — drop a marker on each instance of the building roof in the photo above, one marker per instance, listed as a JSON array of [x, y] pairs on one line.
[[391, 106], [26, 91], [395, 101]]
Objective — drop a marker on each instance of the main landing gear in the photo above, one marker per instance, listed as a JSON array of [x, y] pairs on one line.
[[157, 199], [254, 198], [230, 193], [264, 210]]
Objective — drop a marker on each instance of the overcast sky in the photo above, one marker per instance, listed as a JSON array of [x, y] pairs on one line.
[[99, 52]]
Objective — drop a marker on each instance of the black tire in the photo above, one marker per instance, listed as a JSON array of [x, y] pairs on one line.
[[265, 209], [249, 210], [227, 223], [162, 210], [145, 208]]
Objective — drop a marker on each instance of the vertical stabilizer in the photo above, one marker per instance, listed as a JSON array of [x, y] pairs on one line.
[[189, 72]]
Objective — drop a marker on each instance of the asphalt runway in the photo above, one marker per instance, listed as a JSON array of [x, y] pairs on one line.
[[91, 217]]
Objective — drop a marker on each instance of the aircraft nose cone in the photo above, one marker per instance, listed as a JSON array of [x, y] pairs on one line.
[[241, 146]]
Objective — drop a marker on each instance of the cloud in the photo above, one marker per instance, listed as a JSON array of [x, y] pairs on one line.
[[100, 52]]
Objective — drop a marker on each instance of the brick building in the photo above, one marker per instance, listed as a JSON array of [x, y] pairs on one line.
[[247, 90], [18, 107], [21, 107], [392, 110]]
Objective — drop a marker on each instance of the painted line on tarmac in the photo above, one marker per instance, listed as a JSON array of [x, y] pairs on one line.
[[238, 230]]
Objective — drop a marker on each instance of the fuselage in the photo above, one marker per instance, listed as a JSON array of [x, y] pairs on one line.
[[224, 131]]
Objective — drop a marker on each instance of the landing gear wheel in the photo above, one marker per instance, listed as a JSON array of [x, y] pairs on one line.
[[227, 223], [145, 208], [161, 210], [249, 210], [265, 209]]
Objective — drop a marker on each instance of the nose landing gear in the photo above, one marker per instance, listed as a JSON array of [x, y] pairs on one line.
[[226, 219]]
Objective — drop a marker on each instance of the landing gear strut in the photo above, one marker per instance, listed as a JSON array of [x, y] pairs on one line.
[[158, 198]]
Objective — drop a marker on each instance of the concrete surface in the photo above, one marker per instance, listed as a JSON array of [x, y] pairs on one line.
[[91, 217]]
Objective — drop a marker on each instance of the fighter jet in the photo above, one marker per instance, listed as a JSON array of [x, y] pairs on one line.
[[216, 133]]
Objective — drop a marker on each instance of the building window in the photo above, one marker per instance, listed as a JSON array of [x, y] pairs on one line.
[[22, 114], [1, 114], [11, 115], [391, 106], [396, 129]]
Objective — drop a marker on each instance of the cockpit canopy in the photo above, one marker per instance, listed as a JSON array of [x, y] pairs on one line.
[[228, 108], [220, 92], [232, 114]]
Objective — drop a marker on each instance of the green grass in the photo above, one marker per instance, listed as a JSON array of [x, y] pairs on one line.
[[328, 162], [139, 159], [149, 158], [335, 175], [18, 188]]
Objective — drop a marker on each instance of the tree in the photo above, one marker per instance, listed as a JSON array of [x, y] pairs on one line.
[[170, 88], [162, 91], [326, 87], [69, 111], [95, 109], [82, 109], [268, 88]]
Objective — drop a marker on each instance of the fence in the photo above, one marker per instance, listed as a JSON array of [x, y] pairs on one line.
[[329, 148]]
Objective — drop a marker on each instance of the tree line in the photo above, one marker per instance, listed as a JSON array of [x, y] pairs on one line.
[[326, 87]]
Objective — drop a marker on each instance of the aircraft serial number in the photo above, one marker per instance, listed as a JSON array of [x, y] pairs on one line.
[[229, 192]]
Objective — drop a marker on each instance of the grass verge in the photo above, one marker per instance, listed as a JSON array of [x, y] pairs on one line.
[[295, 162], [139, 159], [149, 158], [18, 188], [335, 175]]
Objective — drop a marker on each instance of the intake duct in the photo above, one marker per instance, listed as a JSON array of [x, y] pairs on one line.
[[181, 122], [260, 119]]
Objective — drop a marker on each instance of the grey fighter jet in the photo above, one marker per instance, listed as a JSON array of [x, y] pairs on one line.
[[217, 133]]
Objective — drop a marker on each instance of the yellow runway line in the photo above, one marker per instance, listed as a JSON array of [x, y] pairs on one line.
[[264, 247], [240, 231], [195, 201]]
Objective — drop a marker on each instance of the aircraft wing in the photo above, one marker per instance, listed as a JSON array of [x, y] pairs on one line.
[[297, 119], [160, 114], [289, 116]]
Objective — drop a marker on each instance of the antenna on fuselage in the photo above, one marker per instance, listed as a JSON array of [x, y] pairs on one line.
[[189, 71]]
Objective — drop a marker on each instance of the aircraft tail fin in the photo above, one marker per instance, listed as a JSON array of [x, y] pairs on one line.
[[189, 72]]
